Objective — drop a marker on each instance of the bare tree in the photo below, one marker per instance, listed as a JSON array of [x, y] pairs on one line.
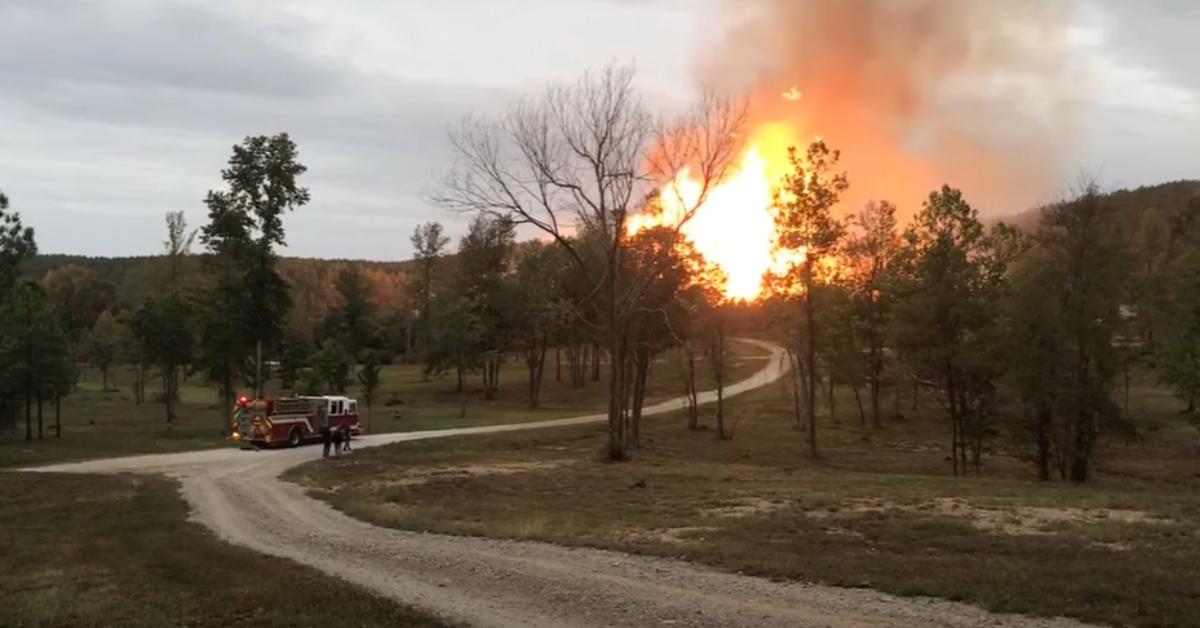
[[178, 243], [578, 161]]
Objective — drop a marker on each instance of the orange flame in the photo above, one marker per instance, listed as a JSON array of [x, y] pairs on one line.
[[734, 228]]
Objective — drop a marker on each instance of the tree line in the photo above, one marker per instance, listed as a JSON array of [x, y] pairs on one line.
[[990, 322], [1027, 333]]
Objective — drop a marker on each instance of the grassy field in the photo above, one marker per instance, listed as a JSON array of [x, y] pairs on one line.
[[879, 510], [84, 551], [100, 423]]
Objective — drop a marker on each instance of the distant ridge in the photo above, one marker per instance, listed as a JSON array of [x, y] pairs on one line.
[[1169, 198]]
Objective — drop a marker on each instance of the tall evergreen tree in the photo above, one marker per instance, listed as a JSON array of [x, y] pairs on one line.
[[1081, 239], [805, 225], [872, 253], [429, 244], [245, 226], [946, 320], [352, 320]]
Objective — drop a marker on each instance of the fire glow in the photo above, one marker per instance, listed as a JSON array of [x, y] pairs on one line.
[[734, 228], [884, 82]]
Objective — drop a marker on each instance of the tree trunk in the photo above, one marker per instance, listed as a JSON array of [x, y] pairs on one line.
[[962, 435], [558, 364], [810, 357], [862, 415], [28, 411], [459, 387], [719, 373], [536, 360], [57, 415], [641, 375], [258, 386], [39, 414], [104, 379], [226, 413], [955, 431], [616, 366], [168, 388], [832, 398], [796, 384], [876, 384], [1125, 373], [576, 359], [595, 362], [616, 394], [1043, 427], [491, 375], [690, 385]]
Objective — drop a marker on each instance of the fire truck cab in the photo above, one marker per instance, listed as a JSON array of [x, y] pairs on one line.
[[292, 420]]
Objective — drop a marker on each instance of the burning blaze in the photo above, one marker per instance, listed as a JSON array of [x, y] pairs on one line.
[[915, 94], [734, 228]]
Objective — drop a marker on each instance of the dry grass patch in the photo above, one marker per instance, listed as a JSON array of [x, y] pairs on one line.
[[879, 510], [745, 507], [1009, 520], [97, 551]]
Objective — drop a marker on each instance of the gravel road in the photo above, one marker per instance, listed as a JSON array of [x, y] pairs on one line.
[[485, 582]]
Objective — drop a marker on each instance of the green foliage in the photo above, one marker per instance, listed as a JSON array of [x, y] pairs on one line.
[[473, 328], [80, 294], [36, 361], [178, 244], [804, 200], [369, 379], [245, 224], [332, 366], [352, 321], [163, 330], [946, 320], [428, 244], [16, 245], [1087, 264], [103, 344], [874, 258], [1180, 363], [804, 224], [294, 356], [454, 336]]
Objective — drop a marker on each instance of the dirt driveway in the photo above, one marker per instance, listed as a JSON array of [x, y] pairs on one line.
[[485, 582]]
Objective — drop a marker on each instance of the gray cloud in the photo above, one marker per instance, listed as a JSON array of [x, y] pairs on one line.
[[116, 111], [156, 45]]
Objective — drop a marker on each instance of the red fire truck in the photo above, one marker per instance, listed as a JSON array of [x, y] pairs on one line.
[[291, 420]]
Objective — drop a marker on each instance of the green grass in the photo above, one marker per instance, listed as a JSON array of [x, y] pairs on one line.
[[100, 423], [101, 551], [879, 510]]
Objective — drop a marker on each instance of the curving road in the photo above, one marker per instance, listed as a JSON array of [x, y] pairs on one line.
[[486, 582]]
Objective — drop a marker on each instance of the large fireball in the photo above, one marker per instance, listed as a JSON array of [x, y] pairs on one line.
[[734, 227]]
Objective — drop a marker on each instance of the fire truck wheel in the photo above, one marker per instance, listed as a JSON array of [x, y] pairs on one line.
[[294, 437]]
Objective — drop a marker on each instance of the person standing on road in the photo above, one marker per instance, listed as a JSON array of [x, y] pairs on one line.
[[323, 425], [346, 438]]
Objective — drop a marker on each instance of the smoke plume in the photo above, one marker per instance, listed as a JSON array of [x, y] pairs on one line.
[[915, 93]]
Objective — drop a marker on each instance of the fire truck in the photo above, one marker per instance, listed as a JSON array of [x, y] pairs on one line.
[[290, 421]]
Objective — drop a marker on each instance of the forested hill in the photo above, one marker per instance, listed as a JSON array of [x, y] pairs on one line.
[[1164, 208], [115, 269], [1167, 202], [128, 281]]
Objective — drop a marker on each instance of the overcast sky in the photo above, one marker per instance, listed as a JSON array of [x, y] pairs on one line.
[[113, 112]]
